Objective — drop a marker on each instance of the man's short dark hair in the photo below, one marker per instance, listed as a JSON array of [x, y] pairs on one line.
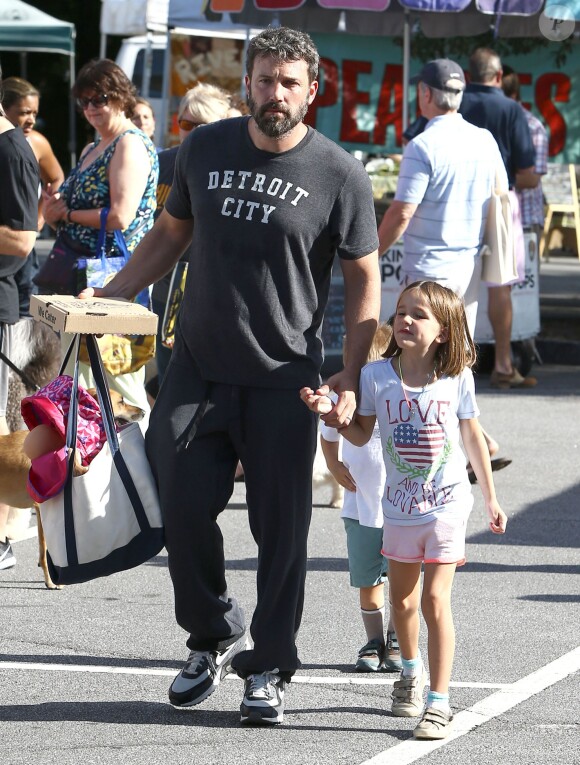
[[510, 83], [484, 64], [284, 44]]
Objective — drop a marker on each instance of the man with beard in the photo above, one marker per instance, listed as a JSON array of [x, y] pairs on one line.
[[267, 203]]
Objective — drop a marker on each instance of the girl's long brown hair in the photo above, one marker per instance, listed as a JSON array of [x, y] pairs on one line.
[[458, 351]]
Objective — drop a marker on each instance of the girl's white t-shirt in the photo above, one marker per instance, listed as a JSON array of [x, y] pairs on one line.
[[367, 468], [425, 465]]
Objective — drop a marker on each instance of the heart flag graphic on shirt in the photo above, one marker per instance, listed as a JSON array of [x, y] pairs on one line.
[[419, 447]]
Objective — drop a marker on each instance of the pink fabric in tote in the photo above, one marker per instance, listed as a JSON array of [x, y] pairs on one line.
[[50, 406]]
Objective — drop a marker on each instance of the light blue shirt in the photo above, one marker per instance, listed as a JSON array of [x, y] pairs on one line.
[[449, 171]]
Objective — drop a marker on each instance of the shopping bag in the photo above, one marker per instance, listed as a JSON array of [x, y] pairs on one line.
[[108, 519], [121, 354], [499, 256]]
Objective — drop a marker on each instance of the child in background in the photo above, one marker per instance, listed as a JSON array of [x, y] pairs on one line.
[[362, 473], [422, 395]]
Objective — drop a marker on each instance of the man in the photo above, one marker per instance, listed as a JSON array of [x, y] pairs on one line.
[[18, 220], [531, 199], [446, 176], [269, 202], [445, 181], [485, 105]]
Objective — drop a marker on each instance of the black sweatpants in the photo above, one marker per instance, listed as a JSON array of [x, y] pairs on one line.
[[274, 434]]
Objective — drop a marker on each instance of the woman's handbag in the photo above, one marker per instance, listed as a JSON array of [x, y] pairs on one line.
[[108, 519], [499, 255], [121, 354], [63, 272]]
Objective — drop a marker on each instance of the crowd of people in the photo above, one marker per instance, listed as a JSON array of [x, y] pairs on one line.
[[242, 208]]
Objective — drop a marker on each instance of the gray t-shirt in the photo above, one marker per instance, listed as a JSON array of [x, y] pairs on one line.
[[266, 230]]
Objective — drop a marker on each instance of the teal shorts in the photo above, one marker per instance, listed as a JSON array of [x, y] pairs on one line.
[[367, 566]]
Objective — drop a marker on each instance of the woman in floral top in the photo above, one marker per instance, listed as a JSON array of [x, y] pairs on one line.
[[119, 171]]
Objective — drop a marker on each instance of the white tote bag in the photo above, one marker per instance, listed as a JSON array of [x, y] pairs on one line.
[[108, 519], [498, 253]]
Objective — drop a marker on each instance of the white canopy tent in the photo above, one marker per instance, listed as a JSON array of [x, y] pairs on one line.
[[25, 29]]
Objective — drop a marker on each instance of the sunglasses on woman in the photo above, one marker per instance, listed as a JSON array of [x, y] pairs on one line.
[[188, 125], [96, 101]]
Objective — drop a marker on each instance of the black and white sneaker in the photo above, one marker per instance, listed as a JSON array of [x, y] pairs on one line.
[[202, 673], [7, 559], [263, 702]]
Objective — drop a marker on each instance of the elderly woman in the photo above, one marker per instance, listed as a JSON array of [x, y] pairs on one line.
[[118, 171]]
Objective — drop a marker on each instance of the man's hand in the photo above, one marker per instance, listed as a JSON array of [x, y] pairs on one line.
[[345, 384], [90, 292]]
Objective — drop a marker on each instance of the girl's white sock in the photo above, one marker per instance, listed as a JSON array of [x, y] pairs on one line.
[[412, 667], [439, 701]]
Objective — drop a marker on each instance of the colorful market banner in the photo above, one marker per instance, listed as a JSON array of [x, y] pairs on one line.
[[360, 100]]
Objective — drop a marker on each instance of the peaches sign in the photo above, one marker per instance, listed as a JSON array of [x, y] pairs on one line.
[[360, 100]]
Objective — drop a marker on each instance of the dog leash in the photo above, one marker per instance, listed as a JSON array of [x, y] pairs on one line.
[[25, 379]]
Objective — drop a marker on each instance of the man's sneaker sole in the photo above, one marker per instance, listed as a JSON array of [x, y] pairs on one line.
[[255, 717], [7, 559], [210, 684]]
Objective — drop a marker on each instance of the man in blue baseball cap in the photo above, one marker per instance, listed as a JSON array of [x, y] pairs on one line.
[[441, 74], [445, 181]]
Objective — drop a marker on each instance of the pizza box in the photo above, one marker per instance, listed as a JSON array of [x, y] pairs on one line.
[[94, 316]]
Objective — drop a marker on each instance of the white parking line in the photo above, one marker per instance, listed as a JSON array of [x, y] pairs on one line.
[[305, 679], [510, 696]]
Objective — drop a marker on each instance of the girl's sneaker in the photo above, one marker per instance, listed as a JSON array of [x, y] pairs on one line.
[[435, 724], [370, 656], [392, 660], [407, 695]]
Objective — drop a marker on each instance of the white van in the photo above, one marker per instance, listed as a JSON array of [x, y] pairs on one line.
[[196, 55], [132, 59]]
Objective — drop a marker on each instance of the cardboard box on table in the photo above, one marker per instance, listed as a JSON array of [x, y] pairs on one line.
[[93, 316]]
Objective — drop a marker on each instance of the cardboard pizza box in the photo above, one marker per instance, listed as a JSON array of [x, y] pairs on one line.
[[65, 313]]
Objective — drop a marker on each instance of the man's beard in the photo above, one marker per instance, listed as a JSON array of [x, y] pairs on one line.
[[273, 125]]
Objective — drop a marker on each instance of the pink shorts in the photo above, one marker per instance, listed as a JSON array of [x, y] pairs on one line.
[[438, 541]]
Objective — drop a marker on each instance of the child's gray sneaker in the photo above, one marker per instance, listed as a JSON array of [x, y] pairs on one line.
[[392, 658], [370, 656]]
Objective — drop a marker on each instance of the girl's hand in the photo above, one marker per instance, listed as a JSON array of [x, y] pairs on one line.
[[317, 401], [498, 519]]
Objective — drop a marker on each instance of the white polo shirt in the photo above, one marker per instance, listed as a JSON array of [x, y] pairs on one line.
[[448, 171]]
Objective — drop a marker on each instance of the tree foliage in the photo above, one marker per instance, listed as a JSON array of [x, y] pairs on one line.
[[426, 48]]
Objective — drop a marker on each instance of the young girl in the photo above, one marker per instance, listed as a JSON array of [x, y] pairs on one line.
[[361, 471], [423, 397]]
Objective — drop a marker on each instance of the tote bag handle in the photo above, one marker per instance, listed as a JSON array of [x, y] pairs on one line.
[[111, 433]]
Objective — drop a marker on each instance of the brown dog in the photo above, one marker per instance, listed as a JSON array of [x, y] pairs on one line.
[[15, 465]]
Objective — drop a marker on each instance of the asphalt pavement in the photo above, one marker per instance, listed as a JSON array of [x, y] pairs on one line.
[[84, 671]]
